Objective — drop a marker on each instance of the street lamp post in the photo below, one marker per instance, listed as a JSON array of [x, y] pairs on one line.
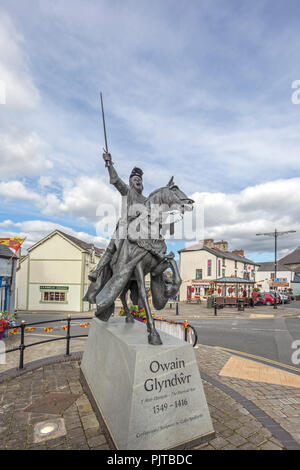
[[275, 234]]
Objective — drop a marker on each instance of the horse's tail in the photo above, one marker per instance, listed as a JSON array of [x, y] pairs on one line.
[[159, 298], [163, 288]]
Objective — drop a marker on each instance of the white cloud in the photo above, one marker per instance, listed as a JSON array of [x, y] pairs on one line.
[[238, 217], [17, 191], [234, 217], [35, 230], [189, 97], [21, 91], [45, 181], [6, 223], [81, 199], [22, 154]]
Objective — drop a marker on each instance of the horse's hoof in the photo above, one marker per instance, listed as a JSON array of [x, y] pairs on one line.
[[154, 338], [129, 319]]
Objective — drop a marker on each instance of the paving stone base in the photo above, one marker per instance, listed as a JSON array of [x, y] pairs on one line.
[[237, 424]]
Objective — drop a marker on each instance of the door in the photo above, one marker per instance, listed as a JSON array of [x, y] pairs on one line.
[[3, 294]]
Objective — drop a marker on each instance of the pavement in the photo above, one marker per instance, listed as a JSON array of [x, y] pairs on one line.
[[192, 310], [253, 406]]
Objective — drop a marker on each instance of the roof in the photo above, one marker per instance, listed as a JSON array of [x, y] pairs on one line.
[[270, 266], [236, 280], [81, 244], [291, 258], [76, 241], [218, 253], [6, 252]]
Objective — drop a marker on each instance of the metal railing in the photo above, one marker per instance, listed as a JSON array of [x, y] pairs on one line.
[[23, 325]]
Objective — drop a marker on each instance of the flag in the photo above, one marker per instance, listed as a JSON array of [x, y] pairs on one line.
[[12, 242]]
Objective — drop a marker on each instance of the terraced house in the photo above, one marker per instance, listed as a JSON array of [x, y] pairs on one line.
[[54, 274], [203, 263]]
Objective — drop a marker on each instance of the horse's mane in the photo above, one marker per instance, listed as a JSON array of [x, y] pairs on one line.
[[159, 196]]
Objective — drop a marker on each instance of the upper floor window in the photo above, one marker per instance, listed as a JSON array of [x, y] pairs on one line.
[[219, 267], [198, 273], [209, 267]]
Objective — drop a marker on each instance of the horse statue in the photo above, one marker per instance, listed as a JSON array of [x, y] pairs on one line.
[[128, 260]]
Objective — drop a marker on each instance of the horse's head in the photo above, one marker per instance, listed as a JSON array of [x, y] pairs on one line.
[[178, 199], [171, 200]]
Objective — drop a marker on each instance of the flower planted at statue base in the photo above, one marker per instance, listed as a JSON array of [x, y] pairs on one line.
[[7, 321], [3, 328], [138, 314]]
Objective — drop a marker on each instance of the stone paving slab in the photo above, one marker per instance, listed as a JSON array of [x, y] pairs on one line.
[[246, 415], [278, 402], [235, 427], [242, 368]]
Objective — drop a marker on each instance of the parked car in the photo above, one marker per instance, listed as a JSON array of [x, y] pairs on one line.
[[268, 298], [284, 298]]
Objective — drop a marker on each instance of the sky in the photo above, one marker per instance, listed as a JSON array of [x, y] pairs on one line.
[[201, 90]]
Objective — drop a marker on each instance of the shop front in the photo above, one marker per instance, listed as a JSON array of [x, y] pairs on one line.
[[198, 290]]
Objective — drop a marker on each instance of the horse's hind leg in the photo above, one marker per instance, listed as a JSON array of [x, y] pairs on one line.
[[153, 337], [129, 317]]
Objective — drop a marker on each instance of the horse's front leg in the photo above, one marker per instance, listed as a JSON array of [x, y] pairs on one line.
[[129, 317], [153, 337]]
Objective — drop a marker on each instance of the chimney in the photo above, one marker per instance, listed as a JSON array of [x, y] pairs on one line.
[[222, 245], [239, 252], [208, 242]]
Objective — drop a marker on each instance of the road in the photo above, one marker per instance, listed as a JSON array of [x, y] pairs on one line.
[[57, 327], [292, 305], [269, 338]]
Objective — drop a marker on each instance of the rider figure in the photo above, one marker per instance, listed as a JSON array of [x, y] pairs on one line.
[[132, 194]]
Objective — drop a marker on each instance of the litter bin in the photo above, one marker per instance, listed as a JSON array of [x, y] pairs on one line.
[[209, 302], [241, 305]]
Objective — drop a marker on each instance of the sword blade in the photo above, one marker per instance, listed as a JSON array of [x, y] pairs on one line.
[[104, 128]]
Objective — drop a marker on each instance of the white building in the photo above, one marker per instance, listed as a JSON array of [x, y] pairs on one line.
[[54, 274], [207, 261], [266, 281]]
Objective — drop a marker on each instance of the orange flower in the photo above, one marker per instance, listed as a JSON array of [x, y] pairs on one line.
[[48, 330], [13, 332]]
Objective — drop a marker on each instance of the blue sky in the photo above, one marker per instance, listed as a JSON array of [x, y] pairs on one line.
[[200, 90]]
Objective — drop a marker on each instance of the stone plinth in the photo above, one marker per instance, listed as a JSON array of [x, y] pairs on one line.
[[148, 397]]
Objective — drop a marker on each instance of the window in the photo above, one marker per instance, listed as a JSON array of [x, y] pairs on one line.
[[235, 273], [223, 272], [209, 267], [235, 264], [54, 296], [219, 268], [198, 273], [223, 264]]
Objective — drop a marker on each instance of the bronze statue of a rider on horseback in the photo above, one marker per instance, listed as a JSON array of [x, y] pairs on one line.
[[137, 248]]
